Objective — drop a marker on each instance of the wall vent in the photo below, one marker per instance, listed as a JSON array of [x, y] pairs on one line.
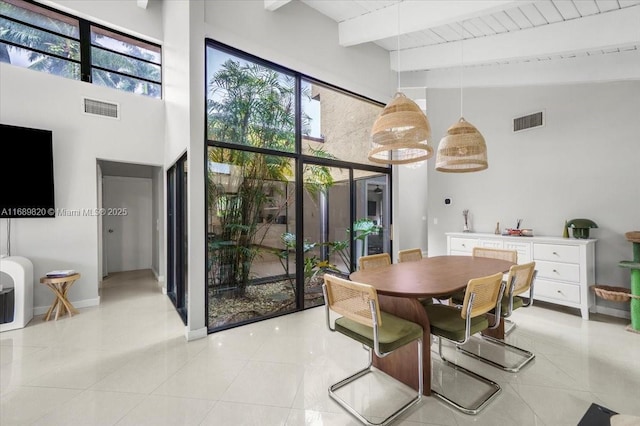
[[529, 121], [101, 108]]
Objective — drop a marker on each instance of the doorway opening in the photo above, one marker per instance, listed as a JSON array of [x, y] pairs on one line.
[[130, 218]]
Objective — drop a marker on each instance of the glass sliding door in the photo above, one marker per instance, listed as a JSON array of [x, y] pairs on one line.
[[373, 234], [348, 214], [327, 220]]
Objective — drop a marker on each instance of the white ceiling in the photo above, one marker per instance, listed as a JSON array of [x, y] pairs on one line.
[[438, 34]]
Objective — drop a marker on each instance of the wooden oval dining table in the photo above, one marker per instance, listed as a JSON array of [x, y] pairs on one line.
[[401, 285]]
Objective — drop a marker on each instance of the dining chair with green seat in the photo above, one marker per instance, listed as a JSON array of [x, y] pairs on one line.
[[409, 255], [503, 254], [374, 261], [520, 281], [457, 324], [379, 332], [492, 253]]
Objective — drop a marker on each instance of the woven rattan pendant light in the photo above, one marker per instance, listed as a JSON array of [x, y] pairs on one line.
[[401, 132], [463, 148]]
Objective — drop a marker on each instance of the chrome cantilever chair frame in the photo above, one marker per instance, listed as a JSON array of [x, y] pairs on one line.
[[368, 369], [496, 387], [528, 356], [509, 326], [491, 253], [505, 254], [507, 321]]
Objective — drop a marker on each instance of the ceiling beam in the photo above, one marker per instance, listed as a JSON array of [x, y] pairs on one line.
[[621, 66], [142, 3], [606, 30], [413, 16], [272, 5]]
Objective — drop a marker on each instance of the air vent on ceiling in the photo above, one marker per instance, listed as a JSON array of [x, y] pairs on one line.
[[101, 108], [528, 121]]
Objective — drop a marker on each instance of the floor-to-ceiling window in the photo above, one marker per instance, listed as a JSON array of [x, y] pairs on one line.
[[288, 187]]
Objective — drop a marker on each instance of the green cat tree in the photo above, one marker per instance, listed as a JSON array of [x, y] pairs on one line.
[[634, 267]]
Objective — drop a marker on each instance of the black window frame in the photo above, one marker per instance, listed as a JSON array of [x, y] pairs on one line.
[[84, 39], [300, 158]]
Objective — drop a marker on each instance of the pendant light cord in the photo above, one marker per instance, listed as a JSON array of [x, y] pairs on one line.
[[398, 45], [461, 68]]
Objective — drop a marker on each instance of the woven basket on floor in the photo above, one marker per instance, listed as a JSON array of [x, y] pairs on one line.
[[614, 294]]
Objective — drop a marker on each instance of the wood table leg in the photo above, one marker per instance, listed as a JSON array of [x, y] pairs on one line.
[[497, 333], [402, 364]]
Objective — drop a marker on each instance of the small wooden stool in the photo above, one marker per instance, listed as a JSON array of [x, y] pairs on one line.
[[60, 286]]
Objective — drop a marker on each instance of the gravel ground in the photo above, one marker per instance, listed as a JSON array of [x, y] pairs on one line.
[[260, 300]]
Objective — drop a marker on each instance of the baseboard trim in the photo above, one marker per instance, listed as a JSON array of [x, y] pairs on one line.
[[159, 278], [195, 334], [86, 303], [612, 312]]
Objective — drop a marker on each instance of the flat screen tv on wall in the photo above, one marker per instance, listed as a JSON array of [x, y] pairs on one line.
[[26, 173]]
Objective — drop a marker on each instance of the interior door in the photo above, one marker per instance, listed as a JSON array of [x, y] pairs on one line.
[[127, 223]]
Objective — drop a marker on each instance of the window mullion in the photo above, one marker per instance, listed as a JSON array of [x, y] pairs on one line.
[[85, 50]]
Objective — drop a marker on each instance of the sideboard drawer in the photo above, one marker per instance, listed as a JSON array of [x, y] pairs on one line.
[[561, 292], [558, 271], [463, 244], [556, 253]]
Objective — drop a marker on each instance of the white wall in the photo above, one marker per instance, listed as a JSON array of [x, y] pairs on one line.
[[158, 259], [35, 99], [583, 163], [410, 219]]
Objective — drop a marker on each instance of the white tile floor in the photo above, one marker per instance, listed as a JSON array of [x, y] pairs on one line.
[[126, 362]]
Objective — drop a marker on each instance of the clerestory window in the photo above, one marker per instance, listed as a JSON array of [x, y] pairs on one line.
[[43, 39]]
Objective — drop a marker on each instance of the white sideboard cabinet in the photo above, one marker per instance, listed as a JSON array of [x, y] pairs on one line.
[[566, 266]]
